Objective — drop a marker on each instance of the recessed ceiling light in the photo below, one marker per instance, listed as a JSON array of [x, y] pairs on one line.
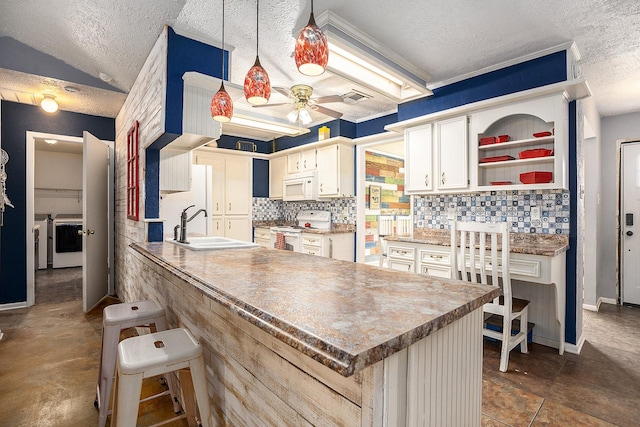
[[71, 89], [50, 141], [105, 77], [49, 103]]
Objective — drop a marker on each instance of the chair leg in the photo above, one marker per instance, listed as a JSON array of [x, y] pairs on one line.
[[161, 325], [188, 398], [125, 410], [506, 335], [199, 377], [524, 327], [110, 338]]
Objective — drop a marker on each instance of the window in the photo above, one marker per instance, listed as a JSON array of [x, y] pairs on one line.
[[133, 184]]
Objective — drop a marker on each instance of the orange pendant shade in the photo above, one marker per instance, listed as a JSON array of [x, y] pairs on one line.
[[221, 105], [312, 51], [257, 87]]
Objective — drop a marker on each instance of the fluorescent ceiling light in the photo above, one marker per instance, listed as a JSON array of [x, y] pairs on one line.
[[356, 56], [241, 120]]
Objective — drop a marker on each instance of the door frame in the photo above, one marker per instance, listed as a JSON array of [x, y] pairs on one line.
[[619, 191], [362, 145], [30, 207]]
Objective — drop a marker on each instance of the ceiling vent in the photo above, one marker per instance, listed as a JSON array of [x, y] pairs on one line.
[[355, 96]]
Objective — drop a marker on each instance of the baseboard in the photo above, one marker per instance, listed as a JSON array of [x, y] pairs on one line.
[[575, 348], [13, 305], [591, 307], [607, 301]]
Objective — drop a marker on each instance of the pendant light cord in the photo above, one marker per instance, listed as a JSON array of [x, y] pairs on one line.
[[222, 75], [257, 28]]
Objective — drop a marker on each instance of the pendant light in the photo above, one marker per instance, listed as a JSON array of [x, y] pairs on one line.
[[257, 88], [221, 103], [312, 50]]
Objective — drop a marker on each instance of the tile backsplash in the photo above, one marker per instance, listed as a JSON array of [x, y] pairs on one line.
[[513, 207], [343, 210]]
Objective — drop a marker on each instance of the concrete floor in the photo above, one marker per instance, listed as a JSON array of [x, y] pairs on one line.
[[50, 354]]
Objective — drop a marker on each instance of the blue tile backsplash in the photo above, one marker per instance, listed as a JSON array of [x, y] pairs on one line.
[[431, 211], [513, 207]]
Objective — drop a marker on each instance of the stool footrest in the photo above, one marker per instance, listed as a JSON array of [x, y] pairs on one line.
[[161, 423]]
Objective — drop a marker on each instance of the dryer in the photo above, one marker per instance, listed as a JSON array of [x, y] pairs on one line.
[[67, 242]]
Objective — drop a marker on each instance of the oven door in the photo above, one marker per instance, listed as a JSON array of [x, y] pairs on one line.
[[286, 240]]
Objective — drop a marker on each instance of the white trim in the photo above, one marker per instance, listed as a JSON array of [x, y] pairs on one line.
[[13, 306], [590, 307], [604, 300], [569, 46], [575, 348], [30, 139]]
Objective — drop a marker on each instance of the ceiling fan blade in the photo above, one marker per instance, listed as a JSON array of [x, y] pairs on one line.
[[327, 111], [330, 98], [285, 92], [271, 105]]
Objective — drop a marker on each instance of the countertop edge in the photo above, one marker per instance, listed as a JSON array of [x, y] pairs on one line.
[[335, 358]]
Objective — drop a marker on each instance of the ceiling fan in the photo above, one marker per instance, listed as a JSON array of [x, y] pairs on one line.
[[301, 97]]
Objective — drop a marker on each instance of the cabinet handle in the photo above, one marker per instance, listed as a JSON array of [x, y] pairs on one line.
[[305, 163], [298, 165], [229, 205], [217, 225], [436, 256], [426, 180], [229, 225], [408, 268], [320, 186], [217, 206], [330, 248], [442, 179]]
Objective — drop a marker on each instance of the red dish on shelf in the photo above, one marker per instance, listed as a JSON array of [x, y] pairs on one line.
[[536, 177], [535, 152], [488, 140], [542, 134], [501, 182], [503, 138], [496, 159]]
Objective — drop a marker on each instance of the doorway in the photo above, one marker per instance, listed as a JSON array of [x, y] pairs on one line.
[[57, 192], [380, 190], [629, 221]]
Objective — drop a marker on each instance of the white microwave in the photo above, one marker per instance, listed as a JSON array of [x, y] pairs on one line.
[[300, 186]]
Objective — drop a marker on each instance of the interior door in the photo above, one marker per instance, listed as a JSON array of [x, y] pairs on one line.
[[95, 239], [630, 225]]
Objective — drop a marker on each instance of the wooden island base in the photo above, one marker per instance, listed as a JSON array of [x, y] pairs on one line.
[[256, 379]]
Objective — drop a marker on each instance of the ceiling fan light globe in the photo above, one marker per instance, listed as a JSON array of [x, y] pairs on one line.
[[293, 116], [257, 87], [304, 117], [312, 50], [221, 106]]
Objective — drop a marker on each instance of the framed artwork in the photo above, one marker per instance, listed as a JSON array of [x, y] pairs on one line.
[[375, 192]]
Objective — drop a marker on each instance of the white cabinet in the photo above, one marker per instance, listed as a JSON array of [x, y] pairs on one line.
[[438, 167], [335, 170], [418, 159], [277, 171], [330, 245], [301, 161], [175, 170], [451, 154], [505, 163], [262, 236], [231, 195]]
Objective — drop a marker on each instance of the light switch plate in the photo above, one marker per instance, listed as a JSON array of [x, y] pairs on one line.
[[535, 212]]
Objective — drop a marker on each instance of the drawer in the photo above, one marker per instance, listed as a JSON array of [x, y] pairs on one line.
[[261, 233], [312, 250], [401, 265], [435, 256], [311, 241], [436, 270], [265, 243], [402, 252], [522, 269]]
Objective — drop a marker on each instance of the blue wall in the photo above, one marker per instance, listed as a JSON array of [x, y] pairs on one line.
[[16, 120]]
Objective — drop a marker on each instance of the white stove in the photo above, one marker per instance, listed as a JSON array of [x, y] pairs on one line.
[[290, 237]]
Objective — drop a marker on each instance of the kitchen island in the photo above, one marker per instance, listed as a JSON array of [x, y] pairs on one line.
[[293, 339]]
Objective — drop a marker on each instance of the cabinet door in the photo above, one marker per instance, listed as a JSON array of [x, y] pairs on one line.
[[452, 148], [237, 185], [217, 226], [277, 169], [418, 159], [308, 160], [175, 170], [328, 171], [217, 186], [238, 228], [293, 163]]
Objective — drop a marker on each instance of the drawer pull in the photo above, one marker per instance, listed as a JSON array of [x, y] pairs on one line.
[[436, 256]]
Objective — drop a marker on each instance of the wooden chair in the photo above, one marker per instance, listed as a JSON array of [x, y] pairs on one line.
[[464, 248], [385, 228]]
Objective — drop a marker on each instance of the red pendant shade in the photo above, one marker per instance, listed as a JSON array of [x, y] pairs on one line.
[[312, 51], [221, 105], [257, 87]]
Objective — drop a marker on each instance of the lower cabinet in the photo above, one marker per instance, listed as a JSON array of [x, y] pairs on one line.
[[234, 227], [262, 236], [336, 246]]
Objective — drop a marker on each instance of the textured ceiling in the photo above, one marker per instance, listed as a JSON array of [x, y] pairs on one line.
[[446, 38]]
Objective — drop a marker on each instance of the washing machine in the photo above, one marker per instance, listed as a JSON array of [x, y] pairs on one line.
[[67, 242]]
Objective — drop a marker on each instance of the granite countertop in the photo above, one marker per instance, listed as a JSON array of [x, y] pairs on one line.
[[521, 243], [335, 228], [344, 315]]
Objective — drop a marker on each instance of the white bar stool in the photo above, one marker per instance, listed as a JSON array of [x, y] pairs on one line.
[[115, 318], [155, 354]]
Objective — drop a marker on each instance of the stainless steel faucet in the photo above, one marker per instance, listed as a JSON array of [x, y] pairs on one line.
[[183, 224]]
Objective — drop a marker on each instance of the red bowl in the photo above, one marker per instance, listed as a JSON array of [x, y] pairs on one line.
[[542, 134], [536, 177], [488, 140], [496, 159], [501, 182], [503, 138], [535, 152]]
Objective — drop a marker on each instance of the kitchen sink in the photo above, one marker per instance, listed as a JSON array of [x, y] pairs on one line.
[[210, 243]]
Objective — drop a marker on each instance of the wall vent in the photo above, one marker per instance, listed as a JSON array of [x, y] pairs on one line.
[[355, 96]]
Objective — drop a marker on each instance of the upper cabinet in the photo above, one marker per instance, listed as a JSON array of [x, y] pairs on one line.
[[335, 170], [277, 171], [521, 146], [438, 167], [301, 161]]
